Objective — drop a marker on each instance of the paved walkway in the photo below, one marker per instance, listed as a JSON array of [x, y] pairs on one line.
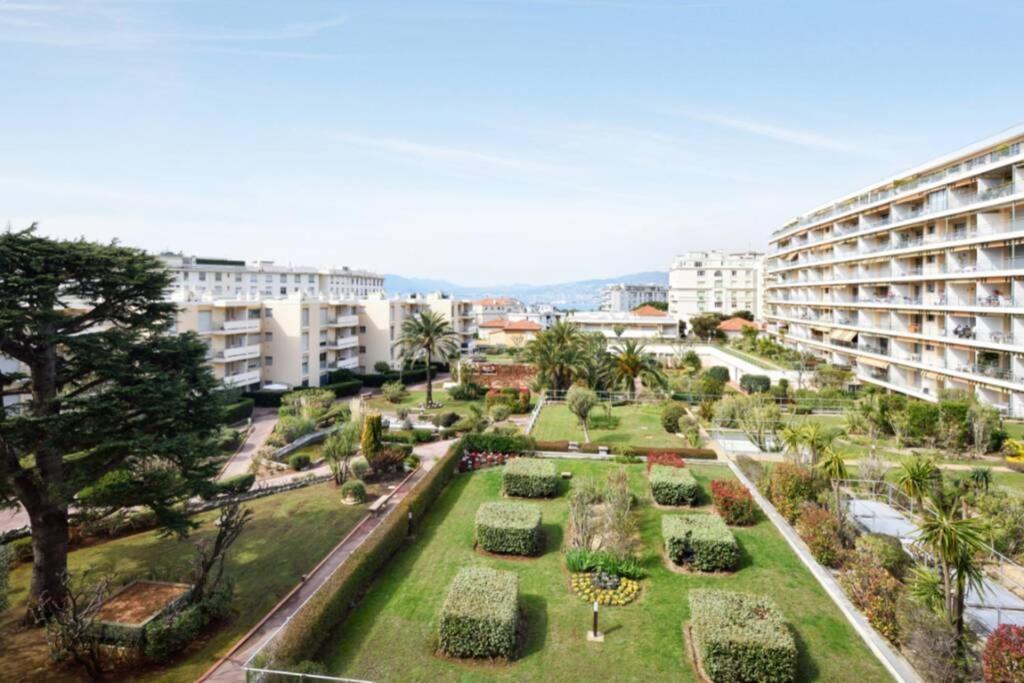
[[229, 669], [993, 605], [263, 421]]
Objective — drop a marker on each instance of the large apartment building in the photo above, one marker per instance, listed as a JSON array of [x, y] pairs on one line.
[[916, 282], [381, 319], [625, 297], [716, 282], [645, 323], [495, 308]]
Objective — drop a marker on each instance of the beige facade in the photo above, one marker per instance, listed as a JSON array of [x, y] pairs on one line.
[[460, 314], [234, 332], [381, 320], [716, 282], [645, 324], [496, 308]]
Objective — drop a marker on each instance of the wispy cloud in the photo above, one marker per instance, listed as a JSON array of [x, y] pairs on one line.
[[794, 136]]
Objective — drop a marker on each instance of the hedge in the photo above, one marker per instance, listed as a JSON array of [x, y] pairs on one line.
[[302, 637], [509, 528], [755, 384], [497, 443], [264, 398], [237, 411], [530, 478], [674, 486], [480, 616], [700, 541], [342, 389], [741, 637], [690, 453], [238, 484]]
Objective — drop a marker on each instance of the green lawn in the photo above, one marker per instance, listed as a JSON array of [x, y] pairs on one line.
[[639, 426], [288, 534], [419, 397], [751, 358], [391, 636], [1014, 429]]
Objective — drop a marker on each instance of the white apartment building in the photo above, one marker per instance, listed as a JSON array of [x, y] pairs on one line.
[[916, 282], [197, 277], [716, 282], [646, 323], [496, 308], [626, 297], [460, 313], [544, 315], [381, 319]]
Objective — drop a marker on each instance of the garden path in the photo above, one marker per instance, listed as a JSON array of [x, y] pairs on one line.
[[263, 421]]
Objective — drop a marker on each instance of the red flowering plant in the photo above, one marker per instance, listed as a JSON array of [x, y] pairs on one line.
[[667, 459], [733, 502], [820, 531], [1003, 658], [470, 462]]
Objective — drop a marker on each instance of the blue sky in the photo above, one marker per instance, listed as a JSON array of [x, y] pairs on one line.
[[480, 141]]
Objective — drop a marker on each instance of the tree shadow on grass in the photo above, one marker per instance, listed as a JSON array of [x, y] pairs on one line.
[[535, 611], [553, 537], [746, 559], [806, 668]]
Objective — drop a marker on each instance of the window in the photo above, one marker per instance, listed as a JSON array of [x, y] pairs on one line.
[[284, 291], [298, 278], [205, 321], [305, 341], [305, 317], [362, 329], [305, 367], [312, 278], [270, 313], [269, 336], [268, 361], [238, 277], [202, 277]]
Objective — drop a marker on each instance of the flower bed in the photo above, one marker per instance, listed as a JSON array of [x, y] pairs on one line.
[[700, 541], [530, 478], [509, 528], [480, 616], [604, 588], [741, 637], [478, 461], [674, 486]]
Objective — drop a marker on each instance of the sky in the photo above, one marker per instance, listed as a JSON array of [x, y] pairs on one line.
[[480, 141]]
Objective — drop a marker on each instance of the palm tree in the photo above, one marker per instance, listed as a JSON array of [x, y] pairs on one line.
[[792, 440], [430, 336], [833, 466], [981, 478], [955, 541], [595, 363], [917, 477], [558, 355], [631, 361]]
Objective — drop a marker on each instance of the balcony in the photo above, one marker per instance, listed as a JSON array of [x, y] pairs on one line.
[[235, 327], [242, 379], [237, 353], [344, 321], [344, 342], [347, 363]]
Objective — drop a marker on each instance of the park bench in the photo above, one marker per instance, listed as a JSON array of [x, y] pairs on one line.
[[574, 445], [379, 504]]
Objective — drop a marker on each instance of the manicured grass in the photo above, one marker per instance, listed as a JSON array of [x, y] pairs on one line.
[[1014, 429], [419, 397], [751, 358], [287, 536], [391, 636], [639, 426]]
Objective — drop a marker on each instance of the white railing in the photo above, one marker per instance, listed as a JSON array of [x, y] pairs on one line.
[[248, 325], [541, 398]]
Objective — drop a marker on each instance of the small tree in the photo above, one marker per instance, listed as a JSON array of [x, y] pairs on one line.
[[69, 630], [917, 477], [339, 449], [394, 392], [705, 326], [208, 568], [743, 313], [580, 402], [372, 436], [382, 367], [833, 466]]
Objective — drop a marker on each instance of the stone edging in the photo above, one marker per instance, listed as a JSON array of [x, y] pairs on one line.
[[894, 662]]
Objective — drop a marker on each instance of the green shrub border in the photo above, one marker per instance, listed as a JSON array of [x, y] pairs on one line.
[[690, 453], [304, 634]]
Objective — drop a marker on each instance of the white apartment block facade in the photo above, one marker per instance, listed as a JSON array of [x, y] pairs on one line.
[[716, 282], [917, 282], [496, 308], [625, 297], [381, 320], [204, 278], [631, 325]]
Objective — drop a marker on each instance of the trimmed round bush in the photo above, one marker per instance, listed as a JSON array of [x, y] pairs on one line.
[[353, 489], [741, 637], [360, 468], [480, 615], [674, 486], [509, 528], [299, 461], [670, 417], [700, 541], [530, 478]]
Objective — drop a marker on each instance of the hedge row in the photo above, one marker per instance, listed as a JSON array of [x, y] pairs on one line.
[[346, 388], [741, 637], [674, 486], [700, 541], [305, 633], [530, 478], [264, 398], [378, 379], [237, 411], [480, 616], [497, 443], [691, 453], [509, 528]]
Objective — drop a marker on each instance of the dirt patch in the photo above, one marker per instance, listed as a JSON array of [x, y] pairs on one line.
[[691, 651], [138, 602]]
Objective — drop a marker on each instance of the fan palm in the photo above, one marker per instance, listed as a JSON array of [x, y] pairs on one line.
[[630, 361], [428, 335], [917, 477]]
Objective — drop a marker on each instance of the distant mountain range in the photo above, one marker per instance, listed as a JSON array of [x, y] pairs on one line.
[[580, 294]]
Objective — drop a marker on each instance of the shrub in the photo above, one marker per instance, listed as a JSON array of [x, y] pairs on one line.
[[873, 590], [500, 412], [820, 531], [265, 398], [497, 443], [788, 487], [299, 461], [291, 427], [236, 485], [382, 367], [886, 552], [370, 440], [582, 560], [237, 411], [741, 637], [1003, 659], [393, 392], [701, 541], [480, 615], [755, 384], [6, 560], [21, 548], [674, 486], [530, 478], [342, 389], [517, 400], [445, 420], [360, 468], [733, 502], [666, 459], [670, 417], [353, 490], [509, 528], [753, 469], [930, 643], [169, 635]]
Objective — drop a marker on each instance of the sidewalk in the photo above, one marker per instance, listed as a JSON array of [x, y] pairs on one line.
[[263, 421], [229, 668]]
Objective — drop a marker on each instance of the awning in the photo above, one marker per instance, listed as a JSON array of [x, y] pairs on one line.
[[873, 363], [844, 335], [823, 330]]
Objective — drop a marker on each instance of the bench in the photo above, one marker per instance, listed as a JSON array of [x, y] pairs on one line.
[[574, 445], [379, 504], [602, 450]]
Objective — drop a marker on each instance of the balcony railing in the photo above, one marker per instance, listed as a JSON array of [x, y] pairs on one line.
[[237, 353]]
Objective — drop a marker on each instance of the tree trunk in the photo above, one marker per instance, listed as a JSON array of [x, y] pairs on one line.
[[586, 434], [430, 390], [50, 558]]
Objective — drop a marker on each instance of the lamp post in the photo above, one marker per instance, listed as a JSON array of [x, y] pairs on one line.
[[593, 635], [595, 619]]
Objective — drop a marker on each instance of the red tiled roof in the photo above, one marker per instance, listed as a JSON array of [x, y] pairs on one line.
[[494, 301], [522, 326], [647, 309], [499, 323], [735, 325]]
